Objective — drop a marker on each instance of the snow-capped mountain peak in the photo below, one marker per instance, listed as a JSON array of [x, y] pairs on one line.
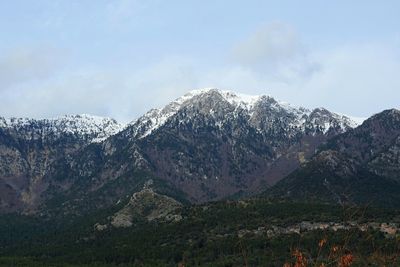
[[93, 128], [229, 96], [258, 107]]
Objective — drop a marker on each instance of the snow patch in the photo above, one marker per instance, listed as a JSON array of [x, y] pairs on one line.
[[95, 128], [156, 118]]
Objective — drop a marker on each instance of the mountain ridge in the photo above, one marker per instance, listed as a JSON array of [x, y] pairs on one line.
[[94, 121], [206, 145], [94, 127], [157, 117], [360, 166]]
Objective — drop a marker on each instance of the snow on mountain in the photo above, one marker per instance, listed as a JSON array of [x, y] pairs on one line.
[[155, 118], [355, 121], [94, 128], [300, 117], [258, 108]]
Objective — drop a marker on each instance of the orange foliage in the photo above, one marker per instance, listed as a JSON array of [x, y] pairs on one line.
[[346, 260], [301, 260], [322, 243]]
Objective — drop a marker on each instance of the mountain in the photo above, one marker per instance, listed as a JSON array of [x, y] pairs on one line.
[[85, 127], [361, 166], [29, 148], [213, 143], [206, 145], [145, 194]]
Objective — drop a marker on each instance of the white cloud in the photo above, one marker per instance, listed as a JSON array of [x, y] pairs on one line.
[[275, 51], [120, 93], [358, 79], [274, 43], [27, 64]]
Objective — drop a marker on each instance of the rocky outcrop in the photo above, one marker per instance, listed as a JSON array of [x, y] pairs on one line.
[[390, 230], [148, 205]]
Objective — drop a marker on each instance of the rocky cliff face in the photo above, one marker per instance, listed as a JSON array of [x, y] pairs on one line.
[[207, 145]]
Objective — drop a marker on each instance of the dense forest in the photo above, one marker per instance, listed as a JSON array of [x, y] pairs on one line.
[[256, 232]]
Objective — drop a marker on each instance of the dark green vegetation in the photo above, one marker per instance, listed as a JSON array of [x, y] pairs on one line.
[[319, 171], [217, 234]]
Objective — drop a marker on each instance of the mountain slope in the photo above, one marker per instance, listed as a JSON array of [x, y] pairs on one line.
[[29, 148], [213, 143], [85, 127], [210, 144], [359, 166], [206, 145]]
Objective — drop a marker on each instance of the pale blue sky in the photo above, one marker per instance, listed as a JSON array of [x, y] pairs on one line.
[[120, 58]]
